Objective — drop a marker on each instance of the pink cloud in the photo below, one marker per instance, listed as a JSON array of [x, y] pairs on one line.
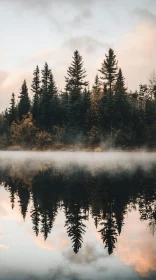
[[136, 246], [4, 246], [12, 83], [136, 53], [52, 243], [6, 212]]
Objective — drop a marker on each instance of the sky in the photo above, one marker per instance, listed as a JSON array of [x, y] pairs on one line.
[[35, 31]]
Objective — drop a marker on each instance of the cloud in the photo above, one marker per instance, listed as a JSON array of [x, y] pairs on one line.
[[137, 250], [6, 212], [81, 18], [3, 76], [12, 83], [52, 243], [88, 255], [85, 43], [50, 10], [145, 14], [4, 246], [39, 4], [136, 53]]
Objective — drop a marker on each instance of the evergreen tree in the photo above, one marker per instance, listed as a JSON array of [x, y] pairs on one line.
[[109, 72], [105, 107], [109, 69], [121, 108], [85, 106], [49, 100], [120, 87], [44, 117], [75, 226], [53, 108], [12, 114], [94, 112], [96, 88], [35, 216], [65, 108], [109, 233], [24, 196], [75, 77], [35, 88], [75, 84], [24, 103]]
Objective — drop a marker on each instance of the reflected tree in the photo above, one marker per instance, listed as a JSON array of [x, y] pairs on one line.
[[78, 192]]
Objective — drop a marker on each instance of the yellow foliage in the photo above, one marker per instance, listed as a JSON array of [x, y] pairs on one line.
[[23, 132], [43, 139]]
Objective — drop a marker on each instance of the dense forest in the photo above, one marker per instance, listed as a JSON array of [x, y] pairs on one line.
[[81, 194], [106, 115]]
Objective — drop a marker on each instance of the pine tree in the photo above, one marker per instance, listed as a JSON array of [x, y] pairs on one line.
[[75, 226], [53, 108], [75, 77], [109, 69], [109, 233], [49, 105], [24, 103], [96, 88], [44, 119], [65, 108], [85, 106], [120, 87], [75, 84], [94, 112], [35, 88], [105, 107], [24, 196], [35, 216], [109, 72], [121, 108], [12, 114], [45, 224]]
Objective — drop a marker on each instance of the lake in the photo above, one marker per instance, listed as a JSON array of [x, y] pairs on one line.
[[77, 215]]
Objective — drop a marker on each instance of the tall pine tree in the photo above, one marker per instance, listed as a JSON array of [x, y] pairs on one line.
[[44, 117], [109, 69], [109, 75], [75, 83], [24, 103], [35, 88], [12, 114]]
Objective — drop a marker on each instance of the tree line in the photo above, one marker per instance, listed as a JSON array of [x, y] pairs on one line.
[[81, 195], [107, 113]]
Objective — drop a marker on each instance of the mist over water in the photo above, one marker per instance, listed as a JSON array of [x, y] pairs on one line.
[[105, 161]]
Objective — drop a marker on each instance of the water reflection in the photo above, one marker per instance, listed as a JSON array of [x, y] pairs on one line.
[[80, 193]]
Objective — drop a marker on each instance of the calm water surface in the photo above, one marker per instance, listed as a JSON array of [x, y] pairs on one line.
[[70, 216]]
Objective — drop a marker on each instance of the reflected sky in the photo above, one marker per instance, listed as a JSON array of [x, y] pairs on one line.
[[23, 255]]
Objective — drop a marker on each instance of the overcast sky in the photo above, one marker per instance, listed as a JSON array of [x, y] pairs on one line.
[[35, 31]]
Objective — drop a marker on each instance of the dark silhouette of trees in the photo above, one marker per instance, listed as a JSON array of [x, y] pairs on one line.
[[75, 226], [12, 112], [109, 70], [108, 112], [35, 88], [35, 216], [24, 102], [109, 233], [24, 196], [75, 84]]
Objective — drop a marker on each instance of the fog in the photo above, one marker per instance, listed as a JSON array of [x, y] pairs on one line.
[[104, 161]]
